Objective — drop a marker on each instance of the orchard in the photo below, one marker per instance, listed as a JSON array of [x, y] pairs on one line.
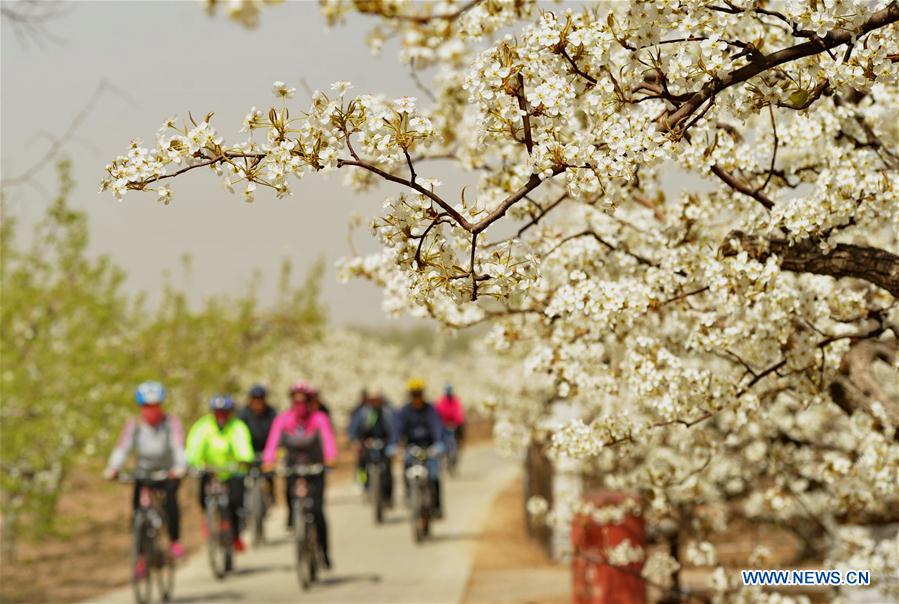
[[680, 217]]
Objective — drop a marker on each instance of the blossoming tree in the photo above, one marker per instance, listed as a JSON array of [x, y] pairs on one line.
[[684, 212]]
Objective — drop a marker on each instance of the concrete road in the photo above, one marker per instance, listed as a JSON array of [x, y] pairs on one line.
[[372, 563]]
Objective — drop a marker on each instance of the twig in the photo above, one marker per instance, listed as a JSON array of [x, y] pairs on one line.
[[773, 153]]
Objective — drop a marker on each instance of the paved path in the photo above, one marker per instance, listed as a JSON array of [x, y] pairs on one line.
[[372, 564]]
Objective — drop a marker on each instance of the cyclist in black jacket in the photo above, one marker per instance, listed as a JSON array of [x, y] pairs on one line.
[[258, 415]]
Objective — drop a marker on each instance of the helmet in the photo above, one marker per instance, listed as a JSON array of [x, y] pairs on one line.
[[301, 386], [221, 402], [415, 385], [258, 391], [149, 393]]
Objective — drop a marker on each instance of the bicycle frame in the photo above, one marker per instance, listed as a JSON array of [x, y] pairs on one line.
[[420, 490], [220, 544], [257, 505], [308, 553], [375, 465], [148, 531]]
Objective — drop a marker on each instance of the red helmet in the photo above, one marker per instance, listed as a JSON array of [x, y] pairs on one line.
[[301, 386]]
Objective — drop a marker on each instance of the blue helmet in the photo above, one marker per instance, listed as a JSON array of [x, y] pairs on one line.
[[221, 402], [258, 391], [149, 393]]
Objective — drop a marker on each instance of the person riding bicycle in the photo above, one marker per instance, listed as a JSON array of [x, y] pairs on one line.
[[156, 439], [374, 419], [308, 438], [219, 443], [259, 416], [451, 412], [418, 424]]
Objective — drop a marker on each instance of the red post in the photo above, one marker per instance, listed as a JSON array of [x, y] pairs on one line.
[[595, 582]]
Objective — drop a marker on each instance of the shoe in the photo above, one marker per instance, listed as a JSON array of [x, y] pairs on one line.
[[437, 513], [177, 550], [239, 546], [140, 569]]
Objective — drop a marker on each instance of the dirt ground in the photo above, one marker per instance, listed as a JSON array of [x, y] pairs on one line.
[[508, 566], [90, 554]]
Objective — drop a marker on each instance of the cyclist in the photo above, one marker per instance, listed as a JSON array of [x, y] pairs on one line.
[[157, 440], [308, 438], [451, 412], [418, 424], [375, 419], [317, 404], [221, 443], [258, 415]]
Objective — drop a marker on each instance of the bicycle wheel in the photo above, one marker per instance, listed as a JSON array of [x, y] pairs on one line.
[[256, 513], [452, 460], [417, 517], [425, 508], [215, 546], [312, 548], [140, 553], [303, 554], [374, 487], [164, 571], [227, 539]]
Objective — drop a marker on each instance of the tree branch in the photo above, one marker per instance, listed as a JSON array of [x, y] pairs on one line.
[[871, 264], [835, 38]]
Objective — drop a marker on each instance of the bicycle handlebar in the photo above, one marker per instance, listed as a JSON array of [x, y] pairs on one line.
[[302, 470], [421, 452], [132, 477]]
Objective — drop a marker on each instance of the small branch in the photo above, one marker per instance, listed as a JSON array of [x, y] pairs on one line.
[[605, 243], [543, 212], [424, 19], [684, 295], [577, 69], [525, 115], [760, 376], [533, 182], [474, 280], [412, 174], [773, 153], [412, 185], [741, 187], [438, 220]]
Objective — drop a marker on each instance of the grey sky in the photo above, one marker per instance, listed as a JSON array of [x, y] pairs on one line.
[[171, 58]]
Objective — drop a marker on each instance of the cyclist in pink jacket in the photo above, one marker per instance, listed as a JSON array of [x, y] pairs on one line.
[[451, 413], [308, 438]]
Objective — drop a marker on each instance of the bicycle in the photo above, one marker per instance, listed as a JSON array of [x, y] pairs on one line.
[[257, 504], [420, 491], [149, 547], [452, 450], [220, 542], [309, 556], [375, 466]]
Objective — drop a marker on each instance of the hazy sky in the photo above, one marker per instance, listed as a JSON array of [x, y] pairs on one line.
[[170, 58]]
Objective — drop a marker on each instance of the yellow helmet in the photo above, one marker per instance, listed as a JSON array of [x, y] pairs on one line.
[[415, 385]]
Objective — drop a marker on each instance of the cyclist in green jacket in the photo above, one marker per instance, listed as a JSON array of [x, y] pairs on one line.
[[220, 443]]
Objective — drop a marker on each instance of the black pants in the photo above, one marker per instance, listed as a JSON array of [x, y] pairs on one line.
[[316, 486], [387, 483], [235, 500], [172, 511]]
